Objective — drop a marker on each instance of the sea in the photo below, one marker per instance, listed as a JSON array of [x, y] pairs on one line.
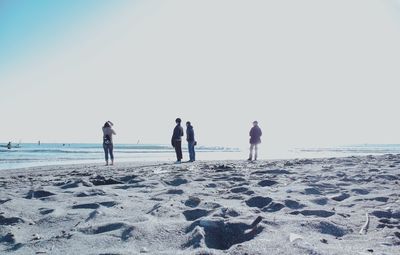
[[32, 154]]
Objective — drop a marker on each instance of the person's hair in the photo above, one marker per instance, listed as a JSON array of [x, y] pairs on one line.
[[188, 123], [255, 122], [106, 124], [178, 120]]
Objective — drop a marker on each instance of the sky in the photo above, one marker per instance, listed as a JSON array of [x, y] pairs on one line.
[[313, 73]]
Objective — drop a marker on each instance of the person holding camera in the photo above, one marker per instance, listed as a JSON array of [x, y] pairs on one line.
[[108, 146], [191, 141]]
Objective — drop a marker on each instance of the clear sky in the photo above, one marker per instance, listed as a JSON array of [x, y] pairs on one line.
[[311, 72]]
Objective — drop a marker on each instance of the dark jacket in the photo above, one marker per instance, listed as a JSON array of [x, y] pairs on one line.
[[190, 134], [255, 135], [177, 134]]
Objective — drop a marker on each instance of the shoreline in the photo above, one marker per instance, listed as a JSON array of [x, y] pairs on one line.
[[144, 163], [296, 206]]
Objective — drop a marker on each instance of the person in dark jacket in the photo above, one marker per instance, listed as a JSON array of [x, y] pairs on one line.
[[191, 141], [176, 140], [255, 140]]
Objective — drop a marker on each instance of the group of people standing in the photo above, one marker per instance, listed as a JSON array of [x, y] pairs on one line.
[[176, 141]]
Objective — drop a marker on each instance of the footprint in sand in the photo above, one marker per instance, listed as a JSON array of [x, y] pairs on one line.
[[318, 213], [274, 171], [292, 204], [86, 206], [311, 191], [341, 197], [267, 183], [91, 192], [2, 201], [93, 215], [194, 214], [258, 201], [388, 223], [125, 229], [360, 191], [380, 199], [319, 201], [329, 228], [176, 182], [175, 192], [192, 202], [10, 220], [76, 184], [45, 211], [8, 238], [273, 207], [101, 180], [39, 194], [226, 213], [129, 179], [237, 179], [387, 214], [239, 190], [220, 235], [95, 205]]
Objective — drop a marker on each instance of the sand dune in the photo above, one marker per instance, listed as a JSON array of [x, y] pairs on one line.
[[319, 206]]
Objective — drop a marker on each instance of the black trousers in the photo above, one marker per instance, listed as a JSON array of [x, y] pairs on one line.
[[178, 149]]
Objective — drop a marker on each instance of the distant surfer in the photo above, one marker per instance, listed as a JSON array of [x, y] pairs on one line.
[[9, 145], [108, 146], [255, 140]]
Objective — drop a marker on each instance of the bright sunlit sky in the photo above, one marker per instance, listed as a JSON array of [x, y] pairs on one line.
[[311, 72]]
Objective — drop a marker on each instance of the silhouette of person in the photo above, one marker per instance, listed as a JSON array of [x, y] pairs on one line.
[[176, 140], [255, 140], [191, 141], [9, 145], [108, 146]]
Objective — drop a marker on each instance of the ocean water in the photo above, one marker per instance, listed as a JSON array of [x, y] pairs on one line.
[[28, 155]]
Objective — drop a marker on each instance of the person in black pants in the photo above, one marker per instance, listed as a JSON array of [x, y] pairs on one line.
[[176, 140], [255, 140], [191, 141], [108, 147]]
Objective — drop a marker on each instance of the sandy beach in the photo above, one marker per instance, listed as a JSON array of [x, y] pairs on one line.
[[303, 206]]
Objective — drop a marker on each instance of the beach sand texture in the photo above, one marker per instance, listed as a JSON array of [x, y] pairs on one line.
[[304, 206]]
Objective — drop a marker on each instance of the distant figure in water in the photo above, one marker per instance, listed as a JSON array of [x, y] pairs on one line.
[[9, 145], [191, 141], [39, 142], [176, 140], [255, 140], [108, 132]]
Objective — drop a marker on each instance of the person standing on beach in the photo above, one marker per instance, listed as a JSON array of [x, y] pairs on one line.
[[108, 146], [191, 141], [255, 140], [176, 140]]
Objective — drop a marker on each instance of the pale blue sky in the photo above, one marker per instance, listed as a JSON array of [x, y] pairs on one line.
[[28, 26], [312, 72]]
